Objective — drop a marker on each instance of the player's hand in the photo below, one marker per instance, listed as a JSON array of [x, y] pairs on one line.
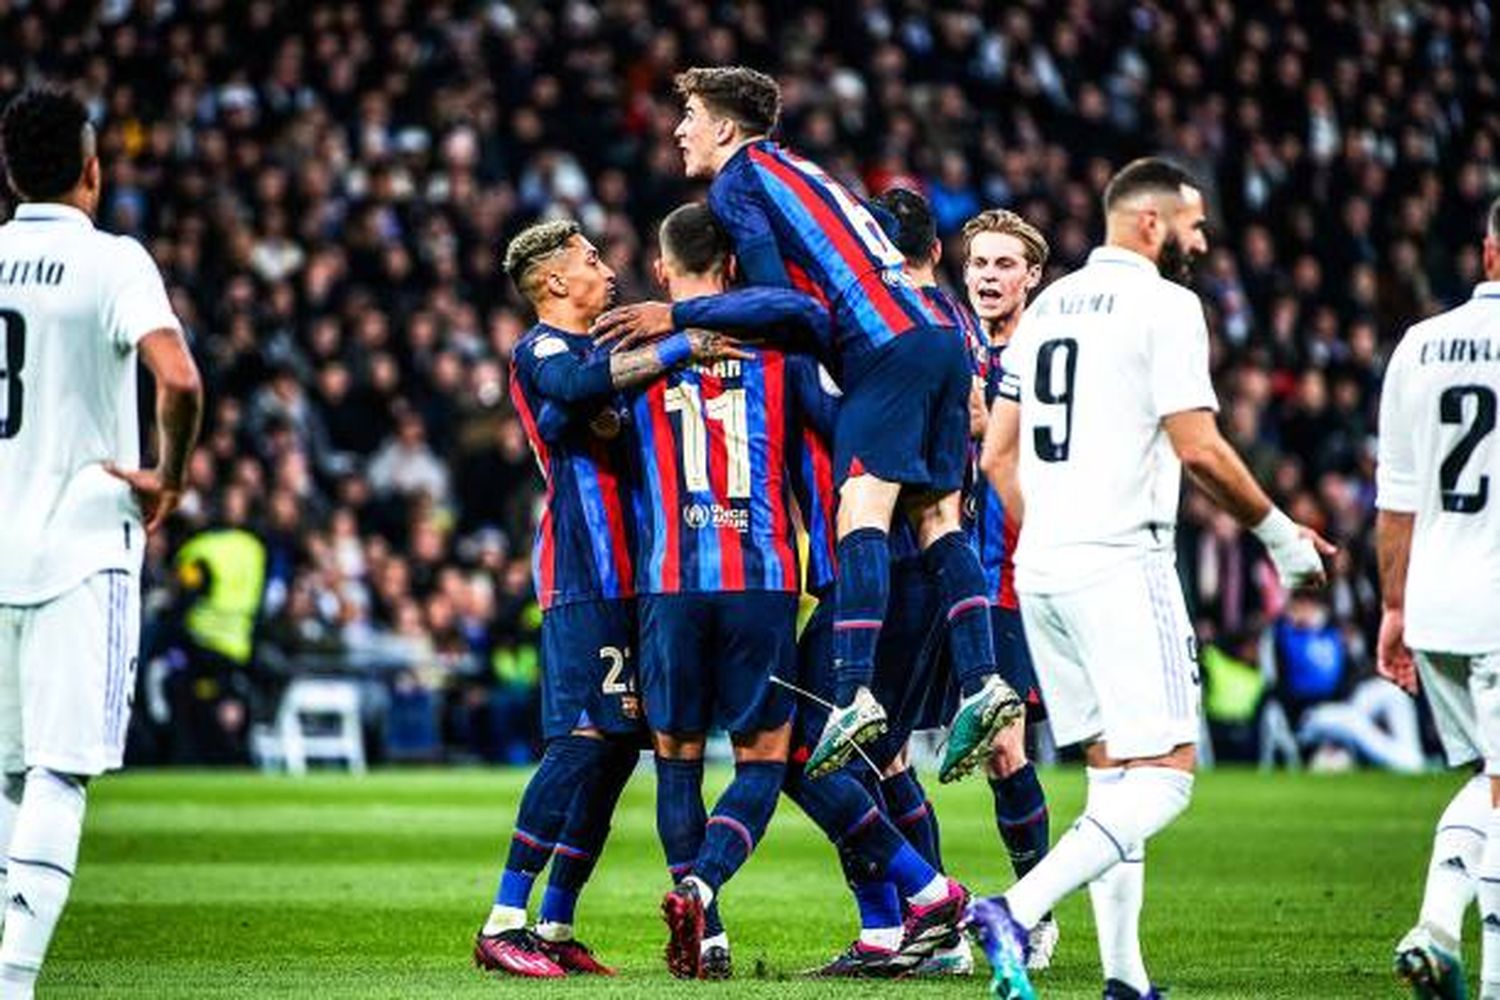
[[1393, 660], [624, 327], [1299, 561], [710, 346], [156, 498]]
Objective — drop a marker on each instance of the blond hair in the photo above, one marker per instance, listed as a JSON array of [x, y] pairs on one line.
[[1001, 220], [533, 245]]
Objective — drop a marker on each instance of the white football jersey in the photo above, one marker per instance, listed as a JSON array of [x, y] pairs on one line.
[[74, 302], [1440, 460], [1099, 358]]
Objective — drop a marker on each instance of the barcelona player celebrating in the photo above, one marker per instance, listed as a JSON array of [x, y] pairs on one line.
[[902, 433]]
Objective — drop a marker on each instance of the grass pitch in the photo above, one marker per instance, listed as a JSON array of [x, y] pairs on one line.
[[236, 885]]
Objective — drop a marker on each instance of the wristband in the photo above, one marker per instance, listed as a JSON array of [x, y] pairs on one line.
[[674, 350], [1276, 530]]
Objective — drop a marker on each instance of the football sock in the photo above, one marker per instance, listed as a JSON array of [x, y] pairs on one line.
[[10, 804], [680, 815], [584, 834], [1114, 826], [953, 564], [1489, 907], [879, 913], [1117, 896], [739, 820], [566, 765], [43, 856], [1021, 816], [1456, 848], [862, 592], [907, 804]]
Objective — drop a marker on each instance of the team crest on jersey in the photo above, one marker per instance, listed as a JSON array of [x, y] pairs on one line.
[[546, 347]]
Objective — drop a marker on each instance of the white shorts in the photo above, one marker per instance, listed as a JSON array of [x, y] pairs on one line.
[[67, 677], [1464, 692], [1117, 660]]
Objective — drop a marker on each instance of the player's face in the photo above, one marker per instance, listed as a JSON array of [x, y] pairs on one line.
[[998, 277], [1186, 238], [590, 281], [698, 136]]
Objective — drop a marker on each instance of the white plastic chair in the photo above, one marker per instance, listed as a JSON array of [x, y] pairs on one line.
[[287, 743]]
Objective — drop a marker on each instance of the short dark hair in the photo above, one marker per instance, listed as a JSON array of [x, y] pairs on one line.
[[749, 97], [533, 245], [693, 240], [41, 139], [1148, 174], [1493, 227], [907, 220]]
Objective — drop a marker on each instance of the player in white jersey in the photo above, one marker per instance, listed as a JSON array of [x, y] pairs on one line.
[[77, 306], [1106, 397], [1438, 537]]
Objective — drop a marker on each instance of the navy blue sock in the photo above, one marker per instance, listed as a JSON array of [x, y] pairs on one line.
[[585, 832], [907, 805], [566, 764], [739, 820], [953, 564], [680, 815], [1021, 815], [879, 904], [870, 847], [862, 592]]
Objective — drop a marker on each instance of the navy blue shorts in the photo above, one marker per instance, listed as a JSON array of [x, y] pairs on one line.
[[589, 669], [707, 661], [1014, 660], [904, 417], [906, 659]]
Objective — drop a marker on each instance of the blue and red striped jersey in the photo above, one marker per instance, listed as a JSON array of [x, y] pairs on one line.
[[584, 547], [993, 532], [961, 316], [712, 442], [795, 226]]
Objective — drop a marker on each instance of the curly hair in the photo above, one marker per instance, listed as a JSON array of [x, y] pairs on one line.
[[1000, 220], [42, 142], [747, 96], [533, 245]]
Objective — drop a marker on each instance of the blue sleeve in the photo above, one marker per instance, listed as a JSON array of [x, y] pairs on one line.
[[742, 215], [758, 308], [562, 376], [815, 402], [552, 422]]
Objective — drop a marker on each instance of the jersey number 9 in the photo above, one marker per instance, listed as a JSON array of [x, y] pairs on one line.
[[1056, 369]]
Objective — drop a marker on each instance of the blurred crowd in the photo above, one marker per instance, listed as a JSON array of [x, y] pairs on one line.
[[327, 188]]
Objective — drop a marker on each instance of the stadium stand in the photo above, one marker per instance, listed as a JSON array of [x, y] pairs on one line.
[[327, 187]]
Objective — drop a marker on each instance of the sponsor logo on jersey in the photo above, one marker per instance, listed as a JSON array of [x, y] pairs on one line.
[[699, 516]]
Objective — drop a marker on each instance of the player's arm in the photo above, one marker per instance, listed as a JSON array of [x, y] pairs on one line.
[[1396, 495], [1217, 469], [179, 411], [565, 378], [782, 316], [1000, 455], [814, 394]]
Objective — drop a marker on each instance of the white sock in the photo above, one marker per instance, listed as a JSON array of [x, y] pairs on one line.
[[888, 938], [1489, 907], [932, 892], [705, 893], [1114, 826], [1117, 896], [550, 930], [43, 855], [1456, 849], [504, 918], [719, 940], [10, 805]]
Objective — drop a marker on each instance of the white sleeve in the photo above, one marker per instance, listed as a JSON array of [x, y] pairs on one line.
[[1396, 486], [135, 300], [1180, 379]]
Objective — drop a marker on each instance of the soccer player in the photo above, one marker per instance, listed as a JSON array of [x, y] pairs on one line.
[[718, 583], [584, 566], [1438, 538], [78, 307], [1003, 260], [1106, 396], [903, 424]]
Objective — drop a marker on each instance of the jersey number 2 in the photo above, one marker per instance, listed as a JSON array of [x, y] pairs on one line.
[[12, 360], [1451, 411], [1054, 358]]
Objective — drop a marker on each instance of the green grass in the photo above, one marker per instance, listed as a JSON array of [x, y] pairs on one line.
[[235, 885]]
